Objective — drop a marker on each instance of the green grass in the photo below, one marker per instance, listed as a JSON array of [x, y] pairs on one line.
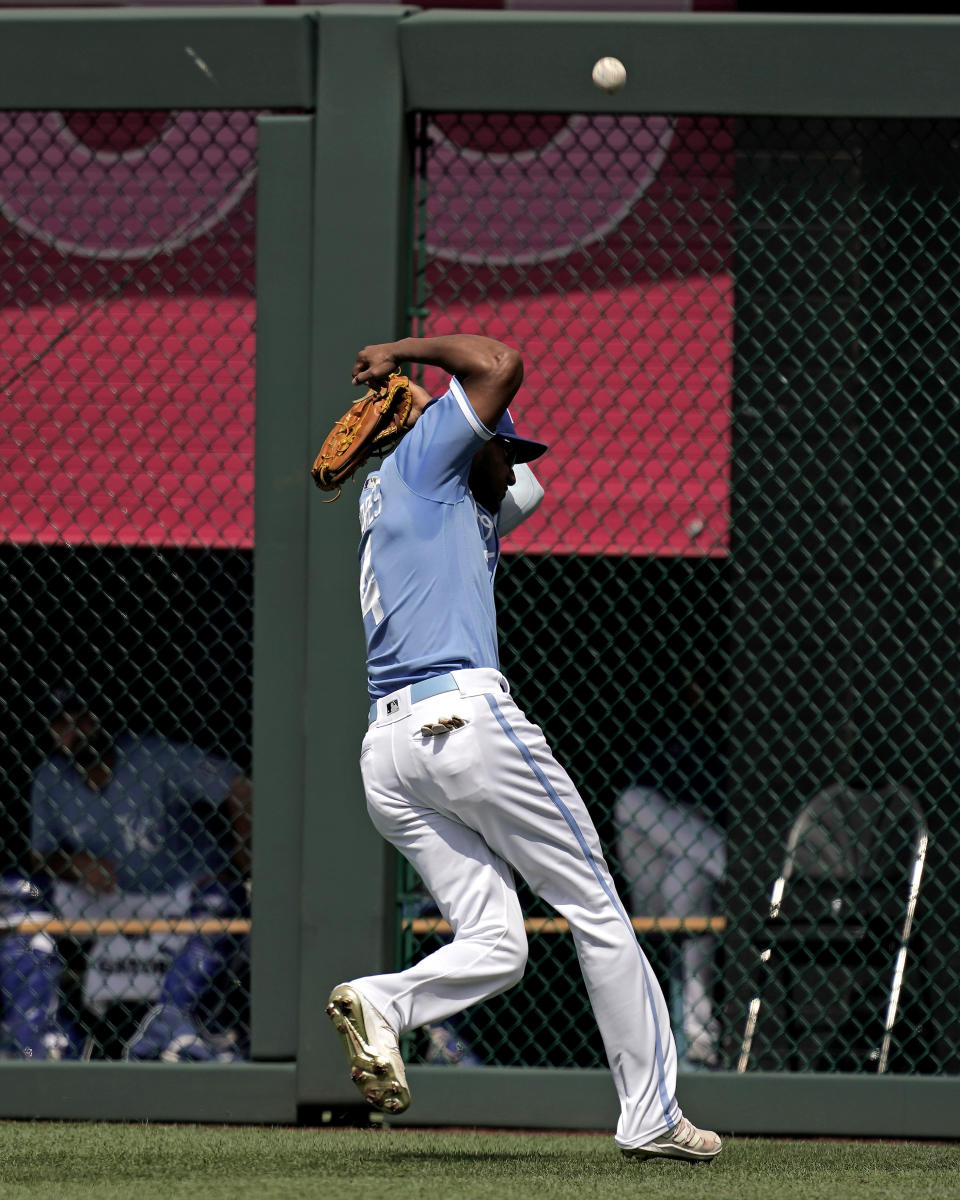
[[64, 1161]]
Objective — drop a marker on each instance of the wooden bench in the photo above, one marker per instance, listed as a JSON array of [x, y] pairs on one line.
[[422, 926], [132, 928], [545, 925]]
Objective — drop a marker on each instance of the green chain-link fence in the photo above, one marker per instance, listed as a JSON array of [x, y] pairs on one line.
[[735, 612], [126, 324], [737, 601]]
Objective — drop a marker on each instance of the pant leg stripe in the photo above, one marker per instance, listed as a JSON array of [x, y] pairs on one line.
[[611, 896]]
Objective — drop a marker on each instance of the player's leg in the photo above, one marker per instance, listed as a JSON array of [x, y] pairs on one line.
[[35, 1022], [177, 1025], [534, 818], [448, 1041], [672, 857], [696, 866], [642, 847], [475, 892], [30, 973]]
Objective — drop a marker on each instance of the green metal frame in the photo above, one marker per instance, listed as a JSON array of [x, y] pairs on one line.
[[682, 63], [359, 289], [335, 158], [169, 58], [284, 312]]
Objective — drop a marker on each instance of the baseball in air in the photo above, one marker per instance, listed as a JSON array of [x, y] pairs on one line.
[[609, 74]]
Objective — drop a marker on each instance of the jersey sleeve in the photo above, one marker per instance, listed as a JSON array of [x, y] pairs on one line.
[[199, 778], [433, 460]]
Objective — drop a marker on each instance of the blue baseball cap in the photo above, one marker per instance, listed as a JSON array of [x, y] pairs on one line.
[[523, 449]]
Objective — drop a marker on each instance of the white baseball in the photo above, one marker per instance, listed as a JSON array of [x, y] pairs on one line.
[[609, 74]]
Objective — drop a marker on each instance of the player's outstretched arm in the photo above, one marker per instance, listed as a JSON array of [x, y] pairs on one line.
[[490, 372]]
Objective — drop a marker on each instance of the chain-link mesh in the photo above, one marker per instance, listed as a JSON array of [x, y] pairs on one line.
[[126, 285], [735, 612]]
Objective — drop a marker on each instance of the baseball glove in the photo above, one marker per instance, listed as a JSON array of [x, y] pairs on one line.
[[373, 425]]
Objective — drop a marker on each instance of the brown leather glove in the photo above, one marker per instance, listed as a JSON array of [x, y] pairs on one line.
[[372, 425]]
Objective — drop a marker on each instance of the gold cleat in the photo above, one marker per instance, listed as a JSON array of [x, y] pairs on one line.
[[372, 1048], [685, 1142]]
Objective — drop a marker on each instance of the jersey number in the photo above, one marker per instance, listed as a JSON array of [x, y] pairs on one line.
[[369, 588]]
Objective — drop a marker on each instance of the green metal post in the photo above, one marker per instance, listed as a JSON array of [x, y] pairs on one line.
[[359, 284], [284, 281]]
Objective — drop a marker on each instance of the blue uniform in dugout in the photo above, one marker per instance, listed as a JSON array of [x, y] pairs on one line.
[[463, 784]]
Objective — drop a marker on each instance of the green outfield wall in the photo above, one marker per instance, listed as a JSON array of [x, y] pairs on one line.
[[741, 267]]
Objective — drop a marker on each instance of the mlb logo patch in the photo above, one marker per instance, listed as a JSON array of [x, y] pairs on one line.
[[392, 706]]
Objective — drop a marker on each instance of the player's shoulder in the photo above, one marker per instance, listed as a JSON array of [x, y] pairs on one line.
[[51, 775], [456, 401], [186, 763], [449, 407], [136, 745], [433, 460], [146, 750]]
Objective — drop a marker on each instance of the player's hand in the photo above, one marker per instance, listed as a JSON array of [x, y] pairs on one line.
[[374, 363], [94, 873], [421, 398]]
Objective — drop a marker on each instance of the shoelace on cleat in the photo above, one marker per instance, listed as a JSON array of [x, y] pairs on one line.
[[688, 1135]]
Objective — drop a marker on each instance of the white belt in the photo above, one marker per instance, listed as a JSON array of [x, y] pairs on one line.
[[436, 685], [422, 690]]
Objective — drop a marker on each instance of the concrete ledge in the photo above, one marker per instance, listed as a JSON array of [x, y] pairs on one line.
[[498, 1097], [758, 1103], [242, 1093]]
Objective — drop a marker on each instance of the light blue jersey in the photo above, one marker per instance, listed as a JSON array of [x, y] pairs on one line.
[[152, 820], [428, 553]]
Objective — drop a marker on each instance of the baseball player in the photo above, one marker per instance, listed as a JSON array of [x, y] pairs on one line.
[[457, 778], [121, 828]]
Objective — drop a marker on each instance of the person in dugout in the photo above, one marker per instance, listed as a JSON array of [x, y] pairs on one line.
[[132, 826]]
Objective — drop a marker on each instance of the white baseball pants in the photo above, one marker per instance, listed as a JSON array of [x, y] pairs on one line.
[[466, 807]]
